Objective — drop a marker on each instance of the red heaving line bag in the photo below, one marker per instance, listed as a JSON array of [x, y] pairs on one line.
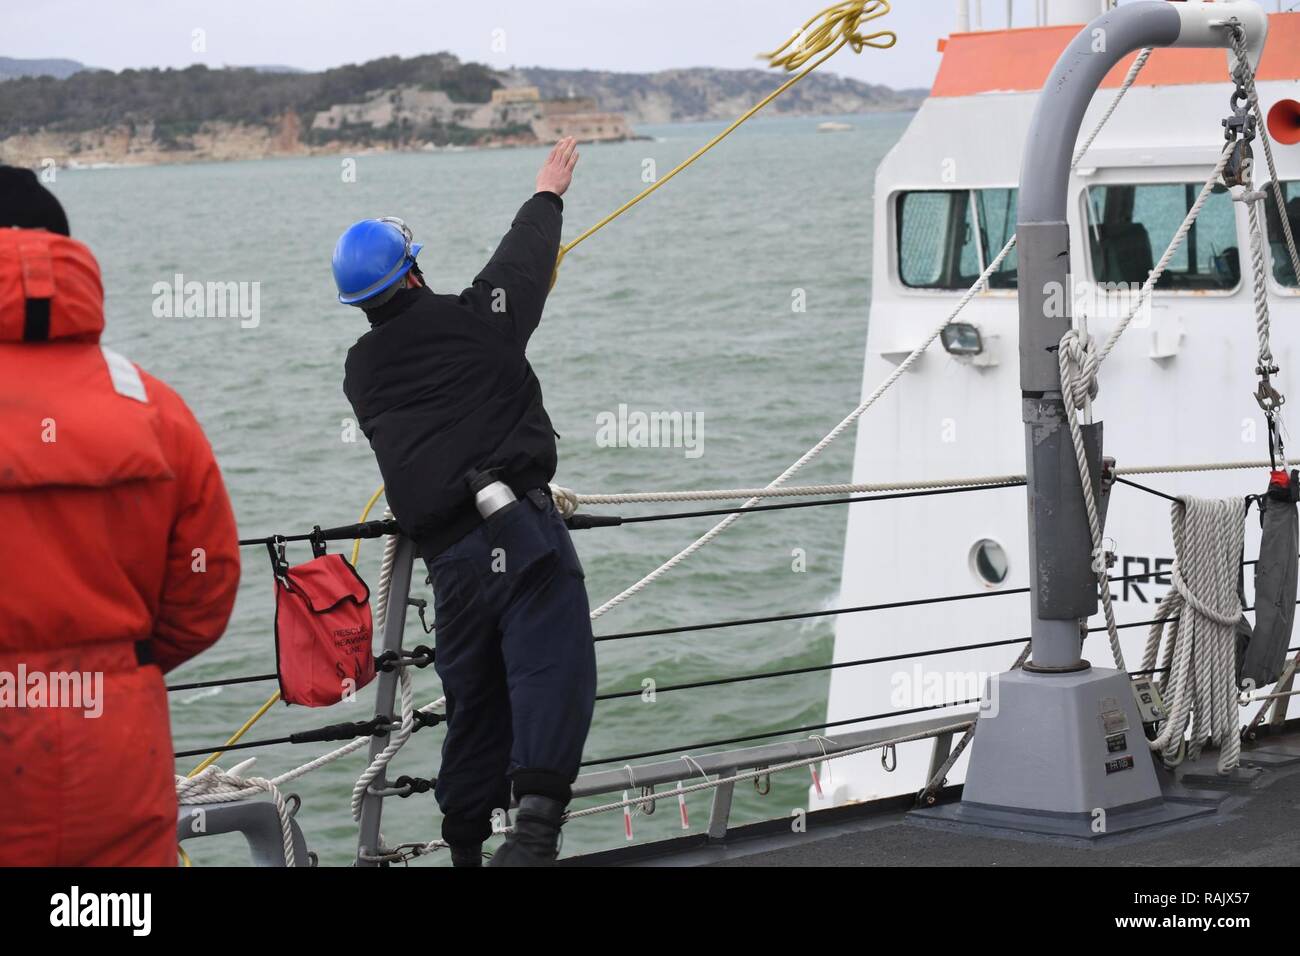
[[322, 631]]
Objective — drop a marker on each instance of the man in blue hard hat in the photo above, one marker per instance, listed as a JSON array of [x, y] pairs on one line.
[[442, 389]]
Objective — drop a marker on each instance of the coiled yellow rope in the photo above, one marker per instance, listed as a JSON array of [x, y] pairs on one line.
[[819, 39]]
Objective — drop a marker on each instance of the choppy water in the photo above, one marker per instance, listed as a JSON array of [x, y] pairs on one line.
[[683, 305]]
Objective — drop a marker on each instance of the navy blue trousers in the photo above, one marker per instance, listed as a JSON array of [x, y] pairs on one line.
[[517, 663]]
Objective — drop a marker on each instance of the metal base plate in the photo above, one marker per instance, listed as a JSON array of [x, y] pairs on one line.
[[1008, 821], [1242, 776]]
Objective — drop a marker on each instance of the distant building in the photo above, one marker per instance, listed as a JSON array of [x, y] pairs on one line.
[[516, 94], [511, 108], [585, 125]]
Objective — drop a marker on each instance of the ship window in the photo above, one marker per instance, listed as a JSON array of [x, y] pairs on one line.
[[1283, 270], [988, 562], [946, 238], [1130, 226]]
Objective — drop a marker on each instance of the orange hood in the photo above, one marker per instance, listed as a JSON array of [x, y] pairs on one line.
[[50, 288]]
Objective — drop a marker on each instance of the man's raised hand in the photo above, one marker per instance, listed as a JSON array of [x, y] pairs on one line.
[[557, 172]]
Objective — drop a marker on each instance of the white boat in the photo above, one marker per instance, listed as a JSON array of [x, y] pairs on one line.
[[1177, 391]]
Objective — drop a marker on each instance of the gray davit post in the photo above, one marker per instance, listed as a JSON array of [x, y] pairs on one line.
[[1060, 748]]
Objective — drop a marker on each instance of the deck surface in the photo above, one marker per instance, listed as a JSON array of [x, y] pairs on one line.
[[1254, 824]]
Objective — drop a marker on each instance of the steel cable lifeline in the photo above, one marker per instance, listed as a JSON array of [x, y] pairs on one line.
[[569, 501], [740, 622]]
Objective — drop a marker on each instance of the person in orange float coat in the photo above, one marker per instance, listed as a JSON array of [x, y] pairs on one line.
[[120, 559]]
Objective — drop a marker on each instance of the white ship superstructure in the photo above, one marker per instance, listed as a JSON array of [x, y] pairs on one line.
[[1177, 391]]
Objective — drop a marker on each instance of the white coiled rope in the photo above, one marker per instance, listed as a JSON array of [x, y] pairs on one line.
[[1201, 613]]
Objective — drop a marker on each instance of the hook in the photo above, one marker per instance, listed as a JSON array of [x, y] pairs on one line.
[[889, 758]]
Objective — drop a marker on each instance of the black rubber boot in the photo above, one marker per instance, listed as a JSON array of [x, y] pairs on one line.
[[471, 855], [536, 837]]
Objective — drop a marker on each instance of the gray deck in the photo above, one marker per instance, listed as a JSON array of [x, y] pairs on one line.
[[1254, 824]]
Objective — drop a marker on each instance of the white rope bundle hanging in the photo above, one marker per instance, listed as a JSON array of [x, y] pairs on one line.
[[1198, 620]]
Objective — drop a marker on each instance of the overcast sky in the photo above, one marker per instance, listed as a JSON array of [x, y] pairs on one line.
[[629, 35], [632, 35]]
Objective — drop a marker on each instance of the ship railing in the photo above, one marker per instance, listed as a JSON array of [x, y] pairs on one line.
[[716, 770], [727, 764]]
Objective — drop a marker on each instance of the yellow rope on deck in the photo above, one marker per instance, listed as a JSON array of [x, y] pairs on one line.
[[819, 39]]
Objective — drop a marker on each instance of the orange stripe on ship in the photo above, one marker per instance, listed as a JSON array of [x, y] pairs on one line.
[[1020, 60]]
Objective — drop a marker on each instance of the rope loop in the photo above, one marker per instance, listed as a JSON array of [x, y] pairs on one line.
[[214, 785], [566, 500], [1225, 618], [1078, 361], [836, 26]]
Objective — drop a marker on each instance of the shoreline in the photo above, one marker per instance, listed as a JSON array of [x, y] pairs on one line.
[[29, 154]]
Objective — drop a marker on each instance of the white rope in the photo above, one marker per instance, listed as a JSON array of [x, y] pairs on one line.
[[1246, 77], [979, 285], [1078, 364], [380, 602], [1133, 72], [1201, 611], [816, 449], [395, 743], [1087, 361], [405, 688], [214, 785], [1251, 199], [1200, 650]]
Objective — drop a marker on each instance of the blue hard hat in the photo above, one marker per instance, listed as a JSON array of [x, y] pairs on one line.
[[370, 256]]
